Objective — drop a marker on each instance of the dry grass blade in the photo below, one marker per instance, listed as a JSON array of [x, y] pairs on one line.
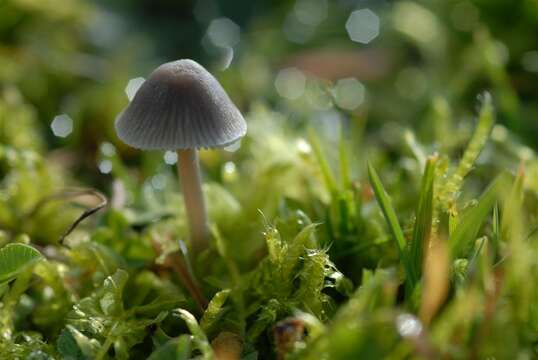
[[436, 280], [68, 195]]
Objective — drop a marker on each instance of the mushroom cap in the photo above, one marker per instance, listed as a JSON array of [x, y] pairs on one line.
[[180, 106]]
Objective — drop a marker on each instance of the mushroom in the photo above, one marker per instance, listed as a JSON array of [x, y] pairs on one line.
[[182, 107]]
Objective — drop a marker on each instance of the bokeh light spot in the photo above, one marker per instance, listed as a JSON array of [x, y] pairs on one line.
[[62, 126], [290, 83], [108, 149], [229, 172], [105, 166], [363, 26], [158, 182], [303, 147], [224, 32], [417, 23], [349, 93], [318, 96], [132, 87], [297, 31], [408, 326], [311, 12], [170, 157]]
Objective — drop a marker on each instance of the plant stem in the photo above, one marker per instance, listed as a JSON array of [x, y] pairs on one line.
[[177, 263], [108, 343], [189, 174]]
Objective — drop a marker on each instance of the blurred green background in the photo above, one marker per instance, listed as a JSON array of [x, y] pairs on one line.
[[369, 70], [75, 57]]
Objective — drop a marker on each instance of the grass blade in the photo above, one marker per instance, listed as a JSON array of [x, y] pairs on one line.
[[199, 338], [486, 118], [392, 221], [424, 216], [328, 177], [345, 176], [214, 310], [471, 221], [496, 231], [175, 349]]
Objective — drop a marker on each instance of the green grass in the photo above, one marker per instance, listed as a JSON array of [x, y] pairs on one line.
[[404, 229], [337, 265]]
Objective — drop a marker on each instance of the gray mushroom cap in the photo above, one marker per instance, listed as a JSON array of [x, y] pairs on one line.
[[180, 106]]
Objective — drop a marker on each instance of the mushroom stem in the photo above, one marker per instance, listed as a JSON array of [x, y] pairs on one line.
[[189, 174]]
